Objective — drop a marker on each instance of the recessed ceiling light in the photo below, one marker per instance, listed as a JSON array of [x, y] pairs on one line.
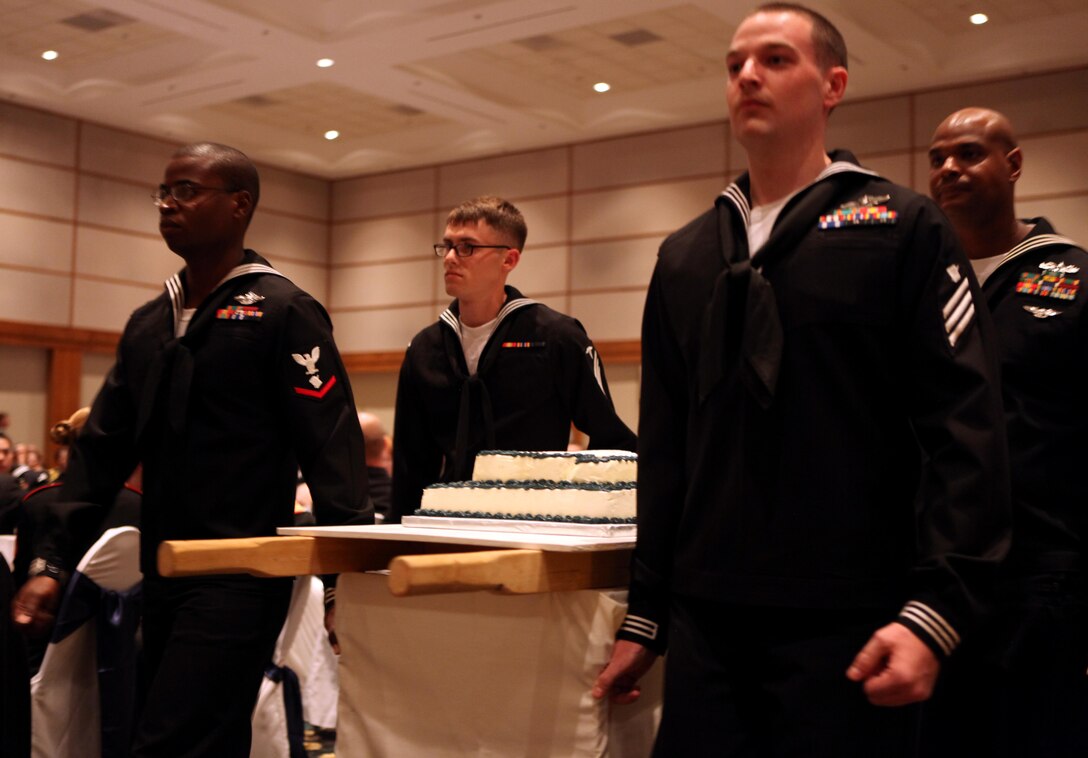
[[331, 134], [602, 87], [978, 19], [50, 55], [325, 62]]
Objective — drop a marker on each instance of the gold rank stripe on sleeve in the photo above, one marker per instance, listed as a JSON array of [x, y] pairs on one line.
[[959, 309]]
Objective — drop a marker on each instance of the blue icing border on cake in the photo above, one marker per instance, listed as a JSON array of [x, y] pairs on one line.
[[534, 484], [522, 517], [579, 456]]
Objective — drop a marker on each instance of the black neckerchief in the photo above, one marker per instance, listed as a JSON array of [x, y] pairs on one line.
[[741, 320]]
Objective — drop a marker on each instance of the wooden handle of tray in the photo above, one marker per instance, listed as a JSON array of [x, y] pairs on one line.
[[285, 556], [508, 571]]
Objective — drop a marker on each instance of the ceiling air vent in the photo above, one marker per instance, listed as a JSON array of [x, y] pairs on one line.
[[97, 20], [257, 101], [540, 43], [636, 37], [405, 110]]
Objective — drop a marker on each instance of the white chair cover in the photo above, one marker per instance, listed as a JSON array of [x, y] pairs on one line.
[[65, 719], [301, 643]]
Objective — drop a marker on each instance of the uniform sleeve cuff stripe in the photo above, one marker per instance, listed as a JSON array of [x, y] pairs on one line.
[[640, 626], [933, 624]]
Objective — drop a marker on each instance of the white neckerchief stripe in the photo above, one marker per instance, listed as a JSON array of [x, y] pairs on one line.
[[176, 290], [450, 318], [1034, 243], [735, 195]]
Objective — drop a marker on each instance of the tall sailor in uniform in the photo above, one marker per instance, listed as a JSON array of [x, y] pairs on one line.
[[822, 474]]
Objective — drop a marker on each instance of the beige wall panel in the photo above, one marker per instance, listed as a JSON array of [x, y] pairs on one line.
[[377, 394], [547, 220], [624, 384], [102, 305], [511, 176], [31, 188], [921, 172], [541, 270], [35, 242], [293, 193], [623, 263], [398, 237], [125, 256], [895, 168], [312, 279], [610, 316], [37, 136], [384, 194], [123, 155], [382, 330], [650, 157], [276, 237], [870, 126], [1069, 215], [1053, 102], [34, 298], [381, 284], [118, 205], [653, 209], [23, 382], [559, 303], [93, 370], [1054, 165]]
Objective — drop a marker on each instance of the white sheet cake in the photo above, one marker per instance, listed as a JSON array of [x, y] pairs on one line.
[[591, 487]]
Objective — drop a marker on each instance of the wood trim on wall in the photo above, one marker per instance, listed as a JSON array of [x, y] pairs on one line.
[[611, 352], [62, 398], [40, 335]]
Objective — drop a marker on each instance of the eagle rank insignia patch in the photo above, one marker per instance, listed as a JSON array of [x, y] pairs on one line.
[[867, 210], [309, 362], [1053, 279]]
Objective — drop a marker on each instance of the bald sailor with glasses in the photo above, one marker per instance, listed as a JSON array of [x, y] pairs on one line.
[[225, 386], [498, 370]]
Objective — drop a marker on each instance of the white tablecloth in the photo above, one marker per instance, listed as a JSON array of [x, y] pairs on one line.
[[482, 674]]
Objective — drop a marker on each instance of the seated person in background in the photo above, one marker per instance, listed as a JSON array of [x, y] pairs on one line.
[[9, 487], [497, 370], [379, 463], [38, 507]]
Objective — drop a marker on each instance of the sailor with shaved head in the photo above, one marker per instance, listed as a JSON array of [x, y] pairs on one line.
[[819, 420], [1020, 688]]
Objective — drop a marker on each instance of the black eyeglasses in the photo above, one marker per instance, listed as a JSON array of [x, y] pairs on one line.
[[182, 192], [463, 249]]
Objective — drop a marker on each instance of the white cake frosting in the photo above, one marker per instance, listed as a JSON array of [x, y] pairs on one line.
[[559, 466], [583, 487]]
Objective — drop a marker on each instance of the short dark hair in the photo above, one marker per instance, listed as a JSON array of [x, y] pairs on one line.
[[826, 39], [501, 215], [231, 165]]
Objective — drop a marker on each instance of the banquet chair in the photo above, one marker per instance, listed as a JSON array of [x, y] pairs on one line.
[[93, 642], [278, 715]]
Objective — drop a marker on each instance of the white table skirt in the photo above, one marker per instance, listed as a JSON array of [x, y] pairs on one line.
[[482, 674]]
